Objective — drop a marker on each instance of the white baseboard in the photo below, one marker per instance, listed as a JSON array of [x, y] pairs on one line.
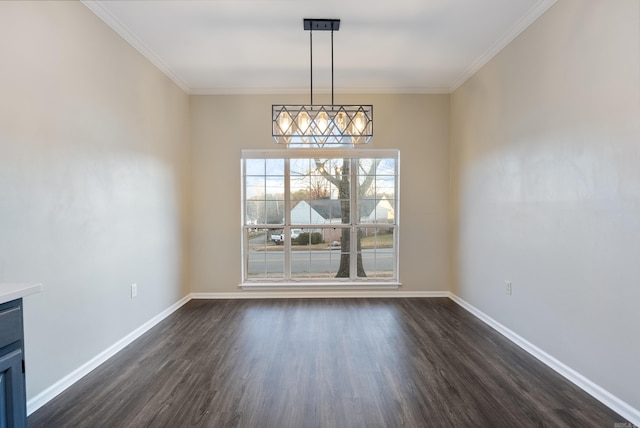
[[41, 399], [599, 393], [318, 294]]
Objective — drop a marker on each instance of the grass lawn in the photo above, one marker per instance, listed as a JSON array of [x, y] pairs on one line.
[[380, 241]]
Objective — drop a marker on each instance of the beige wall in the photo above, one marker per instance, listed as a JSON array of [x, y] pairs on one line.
[[546, 189], [93, 176], [97, 169], [221, 126]]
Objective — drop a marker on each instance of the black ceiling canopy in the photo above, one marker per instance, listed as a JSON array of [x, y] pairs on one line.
[[322, 24]]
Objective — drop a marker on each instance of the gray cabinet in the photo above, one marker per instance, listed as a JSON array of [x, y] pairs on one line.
[[13, 406]]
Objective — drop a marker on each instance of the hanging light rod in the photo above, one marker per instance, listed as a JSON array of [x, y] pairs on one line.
[[317, 125]]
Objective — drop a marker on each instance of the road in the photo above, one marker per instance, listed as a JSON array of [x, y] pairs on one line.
[[317, 261]]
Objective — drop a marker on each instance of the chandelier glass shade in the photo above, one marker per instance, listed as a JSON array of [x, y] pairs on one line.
[[322, 124], [317, 125]]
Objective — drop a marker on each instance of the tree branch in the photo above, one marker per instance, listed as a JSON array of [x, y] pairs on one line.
[[364, 187], [330, 178]]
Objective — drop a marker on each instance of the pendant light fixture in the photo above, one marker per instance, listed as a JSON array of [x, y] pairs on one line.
[[317, 125]]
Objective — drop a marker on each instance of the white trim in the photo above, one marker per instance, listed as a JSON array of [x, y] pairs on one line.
[[48, 394], [286, 281], [351, 90], [302, 285], [321, 153], [318, 294], [529, 18], [101, 12], [599, 393]]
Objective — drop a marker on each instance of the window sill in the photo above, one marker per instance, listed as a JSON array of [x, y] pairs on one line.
[[369, 285]]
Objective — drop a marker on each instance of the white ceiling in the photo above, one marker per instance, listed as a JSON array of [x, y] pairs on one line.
[[260, 46]]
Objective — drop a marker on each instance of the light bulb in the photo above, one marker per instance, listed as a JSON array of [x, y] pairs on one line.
[[284, 122], [359, 123], [322, 122], [303, 122], [341, 121]]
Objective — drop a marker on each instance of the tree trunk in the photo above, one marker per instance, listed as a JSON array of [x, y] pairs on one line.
[[345, 242]]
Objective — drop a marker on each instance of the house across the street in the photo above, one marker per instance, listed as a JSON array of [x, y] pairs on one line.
[[327, 211]]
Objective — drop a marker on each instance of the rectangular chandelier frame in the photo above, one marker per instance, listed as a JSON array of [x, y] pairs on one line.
[[321, 125]]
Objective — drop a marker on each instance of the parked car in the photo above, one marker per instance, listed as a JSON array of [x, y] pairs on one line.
[[278, 238]]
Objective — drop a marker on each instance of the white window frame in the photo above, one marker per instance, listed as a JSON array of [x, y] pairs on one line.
[[333, 283]]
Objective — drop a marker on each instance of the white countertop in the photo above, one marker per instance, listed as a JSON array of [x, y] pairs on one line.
[[9, 291]]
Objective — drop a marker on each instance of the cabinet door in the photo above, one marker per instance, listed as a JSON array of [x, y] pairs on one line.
[[13, 412]]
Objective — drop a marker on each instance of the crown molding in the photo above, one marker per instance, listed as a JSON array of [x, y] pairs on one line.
[[101, 12], [305, 90], [534, 13]]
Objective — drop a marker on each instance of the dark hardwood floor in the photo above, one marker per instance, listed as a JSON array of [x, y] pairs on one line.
[[323, 363]]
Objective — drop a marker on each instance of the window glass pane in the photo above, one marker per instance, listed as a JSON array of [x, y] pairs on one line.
[[274, 166], [274, 212], [274, 204], [316, 253], [301, 213], [254, 213], [299, 167], [386, 167], [265, 258], [385, 186], [322, 210], [254, 166], [380, 166], [299, 187], [254, 188], [274, 188], [376, 252], [376, 191], [316, 191], [377, 211], [384, 212], [368, 166]]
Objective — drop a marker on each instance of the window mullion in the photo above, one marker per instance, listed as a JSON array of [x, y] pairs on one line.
[[354, 220], [396, 217], [287, 220], [243, 220]]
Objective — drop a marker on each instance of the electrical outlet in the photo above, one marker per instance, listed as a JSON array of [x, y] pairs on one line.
[[134, 290], [507, 287]]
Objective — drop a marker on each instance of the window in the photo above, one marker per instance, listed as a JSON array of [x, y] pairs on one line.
[[320, 217]]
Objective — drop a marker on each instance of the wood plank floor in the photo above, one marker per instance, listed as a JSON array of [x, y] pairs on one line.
[[323, 363]]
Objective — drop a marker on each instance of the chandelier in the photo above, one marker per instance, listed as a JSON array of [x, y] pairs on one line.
[[322, 124]]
